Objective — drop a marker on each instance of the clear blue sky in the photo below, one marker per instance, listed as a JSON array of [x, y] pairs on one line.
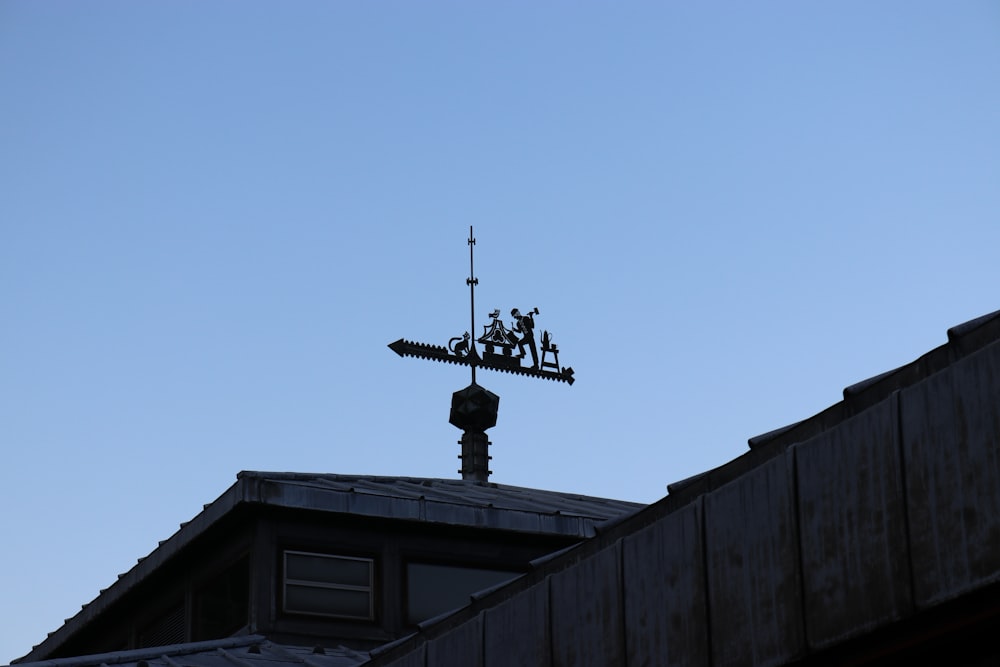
[[215, 215]]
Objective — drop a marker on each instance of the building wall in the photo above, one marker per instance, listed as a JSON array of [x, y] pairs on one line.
[[874, 539]]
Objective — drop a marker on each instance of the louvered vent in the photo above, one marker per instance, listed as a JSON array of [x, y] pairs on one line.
[[167, 629]]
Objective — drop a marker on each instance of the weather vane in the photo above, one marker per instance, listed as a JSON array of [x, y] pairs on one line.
[[499, 342], [474, 409]]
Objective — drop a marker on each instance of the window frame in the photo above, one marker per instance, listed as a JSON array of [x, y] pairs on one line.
[[306, 583]]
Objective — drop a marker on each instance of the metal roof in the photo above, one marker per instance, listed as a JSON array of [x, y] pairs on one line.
[[447, 501], [248, 651]]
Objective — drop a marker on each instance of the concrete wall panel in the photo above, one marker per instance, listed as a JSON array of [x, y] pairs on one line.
[[587, 612], [754, 598], [951, 446], [666, 616], [517, 630], [852, 526], [416, 658], [461, 647]]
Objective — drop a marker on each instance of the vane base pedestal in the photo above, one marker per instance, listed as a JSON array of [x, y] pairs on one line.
[[475, 456]]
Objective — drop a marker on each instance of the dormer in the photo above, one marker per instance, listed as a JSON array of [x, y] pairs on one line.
[[328, 560]]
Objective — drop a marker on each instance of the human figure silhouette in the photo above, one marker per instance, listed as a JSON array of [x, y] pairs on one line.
[[525, 325]]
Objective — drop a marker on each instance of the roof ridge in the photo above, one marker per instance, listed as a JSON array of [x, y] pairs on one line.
[[963, 340], [422, 481]]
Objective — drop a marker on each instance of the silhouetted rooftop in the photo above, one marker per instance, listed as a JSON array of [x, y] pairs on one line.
[[248, 651], [451, 502]]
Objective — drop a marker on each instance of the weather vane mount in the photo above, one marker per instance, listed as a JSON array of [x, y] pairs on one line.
[[474, 409]]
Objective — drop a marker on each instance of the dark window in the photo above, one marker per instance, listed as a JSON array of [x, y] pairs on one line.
[[435, 589], [222, 606], [327, 585]]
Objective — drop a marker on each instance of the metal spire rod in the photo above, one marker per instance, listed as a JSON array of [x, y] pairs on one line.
[[472, 281]]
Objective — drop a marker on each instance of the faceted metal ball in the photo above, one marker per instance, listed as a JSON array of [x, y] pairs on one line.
[[474, 408]]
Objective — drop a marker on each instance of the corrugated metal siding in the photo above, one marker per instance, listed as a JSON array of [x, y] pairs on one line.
[[754, 592], [666, 619], [951, 444], [853, 527]]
